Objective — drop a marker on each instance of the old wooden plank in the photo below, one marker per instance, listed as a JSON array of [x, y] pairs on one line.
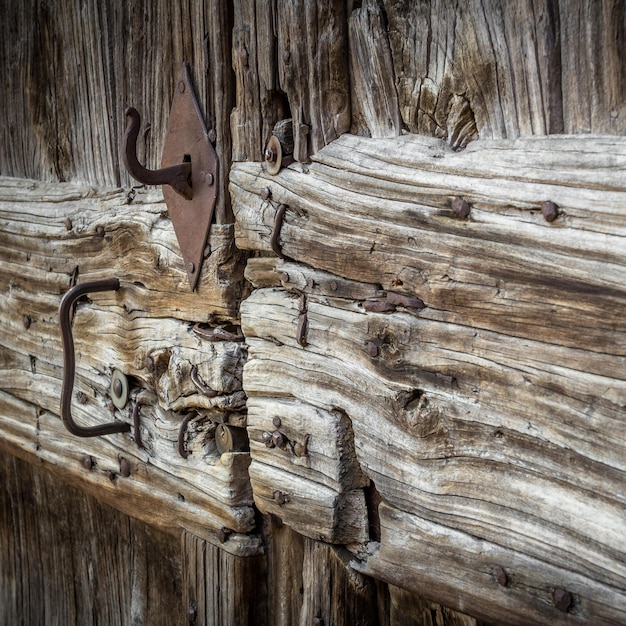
[[502, 449], [67, 558], [373, 90], [220, 588], [463, 571], [362, 214]]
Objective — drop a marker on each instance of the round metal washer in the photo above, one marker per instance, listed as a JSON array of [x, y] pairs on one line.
[[273, 146], [119, 389], [231, 439]]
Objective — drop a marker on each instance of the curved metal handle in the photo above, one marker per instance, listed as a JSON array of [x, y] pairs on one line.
[[178, 176], [69, 362]]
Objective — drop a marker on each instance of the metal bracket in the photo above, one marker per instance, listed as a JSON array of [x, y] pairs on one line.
[[188, 172]]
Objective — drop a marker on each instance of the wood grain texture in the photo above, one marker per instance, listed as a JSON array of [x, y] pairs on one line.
[[71, 71], [220, 588], [380, 211], [470, 448], [67, 559]]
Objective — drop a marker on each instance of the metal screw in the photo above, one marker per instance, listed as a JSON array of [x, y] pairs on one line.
[[117, 387], [549, 210], [562, 599], [501, 575], [212, 135], [27, 321], [333, 285], [181, 86], [286, 56], [460, 208], [276, 421], [270, 155], [88, 462], [68, 223], [100, 231], [207, 251], [266, 193], [279, 497], [191, 267], [223, 534], [124, 467], [372, 349]]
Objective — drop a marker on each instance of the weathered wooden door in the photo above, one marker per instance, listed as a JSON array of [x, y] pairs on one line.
[[397, 394]]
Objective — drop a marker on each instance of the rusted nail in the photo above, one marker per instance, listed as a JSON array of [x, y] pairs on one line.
[[88, 462], [266, 193], [460, 208], [562, 599], [181, 86], [280, 441], [223, 534], [372, 349], [267, 439], [276, 421], [270, 155], [549, 210], [212, 135], [207, 251], [181, 436], [100, 231], [68, 223], [27, 320], [302, 303], [286, 56], [500, 575], [279, 497], [301, 335], [200, 386], [278, 224], [124, 467], [333, 285], [82, 397], [137, 426]]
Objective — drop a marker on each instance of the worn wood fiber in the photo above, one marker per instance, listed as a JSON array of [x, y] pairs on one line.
[[67, 559]]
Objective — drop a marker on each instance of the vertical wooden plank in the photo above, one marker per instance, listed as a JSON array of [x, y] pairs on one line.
[[220, 588], [67, 559]]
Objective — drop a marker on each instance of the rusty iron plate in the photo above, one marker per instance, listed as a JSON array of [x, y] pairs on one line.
[[187, 139]]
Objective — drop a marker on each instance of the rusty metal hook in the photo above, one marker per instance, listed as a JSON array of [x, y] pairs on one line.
[[69, 363], [178, 176]]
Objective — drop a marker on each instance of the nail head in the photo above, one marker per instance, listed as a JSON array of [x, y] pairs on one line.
[[124, 467], [27, 321], [460, 208], [549, 210], [501, 575], [68, 223], [266, 193], [372, 349], [562, 599], [181, 86], [88, 462], [100, 231], [276, 421]]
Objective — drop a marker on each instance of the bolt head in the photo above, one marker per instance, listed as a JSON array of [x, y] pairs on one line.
[[270, 155], [372, 349], [266, 193], [117, 388], [460, 208], [124, 467], [500, 575], [549, 210], [563, 599], [191, 267], [280, 441], [88, 462], [276, 421]]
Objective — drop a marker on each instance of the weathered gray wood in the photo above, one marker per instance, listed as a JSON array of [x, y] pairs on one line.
[[379, 211], [477, 447], [220, 588], [461, 570], [67, 559]]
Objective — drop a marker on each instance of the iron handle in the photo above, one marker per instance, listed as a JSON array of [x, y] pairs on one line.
[[69, 362], [177, 176]]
